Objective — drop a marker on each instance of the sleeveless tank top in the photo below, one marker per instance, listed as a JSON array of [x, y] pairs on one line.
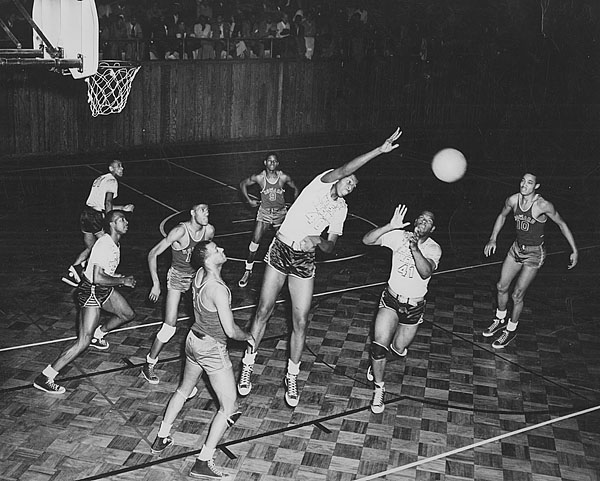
[[530, 231], [182, 257], [271, 194], [207, 322]]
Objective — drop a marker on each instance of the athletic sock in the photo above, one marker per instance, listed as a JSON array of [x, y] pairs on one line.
[[99, 334], [206, 454], [501, 314], [293, 368], [512, 326], [151, 360], [249, 358], [50, 372], [164, 430]]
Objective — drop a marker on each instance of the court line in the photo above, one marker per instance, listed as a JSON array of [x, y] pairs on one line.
[[279, 301], [477, 444]]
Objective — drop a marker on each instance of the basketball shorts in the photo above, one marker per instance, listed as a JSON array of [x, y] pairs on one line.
[[179, 281], [272, 217], [92, 295], [90, 221], [205, 351], [290, 262], [409, 313], [530, 256]]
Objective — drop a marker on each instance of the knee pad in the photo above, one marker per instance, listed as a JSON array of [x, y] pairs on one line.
[[231, 418], [253, 247], [378, 352], [166, 333]]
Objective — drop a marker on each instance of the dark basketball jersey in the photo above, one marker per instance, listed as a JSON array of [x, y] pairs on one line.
[[271, 194], [181, 258], [530, 231], [205, 321]]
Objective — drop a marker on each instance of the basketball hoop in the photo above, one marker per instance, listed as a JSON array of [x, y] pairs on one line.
[[109, 88]]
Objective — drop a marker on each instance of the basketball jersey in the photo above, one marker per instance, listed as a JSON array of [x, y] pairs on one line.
[[106, 254], [205, 321], [530, 231], [404, 278], [182, 257], [272, 193], [101, 185], [313, 211]]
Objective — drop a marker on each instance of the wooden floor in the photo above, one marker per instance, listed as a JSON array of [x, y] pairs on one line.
[[456, 409]]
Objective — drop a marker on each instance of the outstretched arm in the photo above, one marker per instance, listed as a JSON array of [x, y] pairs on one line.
[[550, 211], [490, 247], [350, 167], [373, 237]]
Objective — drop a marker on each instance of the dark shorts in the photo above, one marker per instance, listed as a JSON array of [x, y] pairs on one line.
[[92, 295], [409, 313], [530, 256], [272, 217], [90, 220], [290, 262]]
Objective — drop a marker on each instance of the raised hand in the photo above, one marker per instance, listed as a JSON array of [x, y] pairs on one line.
[[389, 145], [397, 220]]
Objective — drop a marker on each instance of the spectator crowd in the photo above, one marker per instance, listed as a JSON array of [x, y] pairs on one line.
[[229, 29]]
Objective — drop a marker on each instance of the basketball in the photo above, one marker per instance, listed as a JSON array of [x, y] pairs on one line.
[[449, 165]]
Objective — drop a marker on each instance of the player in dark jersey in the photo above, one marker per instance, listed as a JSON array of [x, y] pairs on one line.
[[206, 352], [181, 239], [526, 255], [271, 208]]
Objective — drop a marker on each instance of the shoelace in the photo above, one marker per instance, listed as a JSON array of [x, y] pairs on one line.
[[150, 369], [213, 468], [52, 385], [292, 387], [378, 396], [503, 337], [494, 325], [245, 376]]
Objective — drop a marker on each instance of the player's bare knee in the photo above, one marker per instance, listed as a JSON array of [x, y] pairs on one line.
[[128, 315], [378, 352], [502, 289], [518, 295]]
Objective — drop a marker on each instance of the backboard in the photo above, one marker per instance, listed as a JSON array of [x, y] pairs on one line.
[[70, 25]]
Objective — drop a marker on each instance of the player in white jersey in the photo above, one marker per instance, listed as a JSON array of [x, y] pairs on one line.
[[415, 256], [103, 192], [97, 291], [291, 256]]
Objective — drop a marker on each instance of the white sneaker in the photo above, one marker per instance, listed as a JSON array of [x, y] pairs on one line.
[[377, 405], [244, 385], [494, 327], [291, 390]]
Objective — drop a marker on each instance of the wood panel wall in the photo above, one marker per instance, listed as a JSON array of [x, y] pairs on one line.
[[210, 101]]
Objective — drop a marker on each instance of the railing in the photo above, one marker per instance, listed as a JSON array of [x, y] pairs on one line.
[[193, 48]]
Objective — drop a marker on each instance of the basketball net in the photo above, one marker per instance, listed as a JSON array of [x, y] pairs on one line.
[[109, 88]]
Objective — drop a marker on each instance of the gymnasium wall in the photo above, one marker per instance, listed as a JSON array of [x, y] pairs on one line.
[[172, 102]]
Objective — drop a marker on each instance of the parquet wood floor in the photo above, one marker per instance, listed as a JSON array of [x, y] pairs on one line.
[[456, 409]]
